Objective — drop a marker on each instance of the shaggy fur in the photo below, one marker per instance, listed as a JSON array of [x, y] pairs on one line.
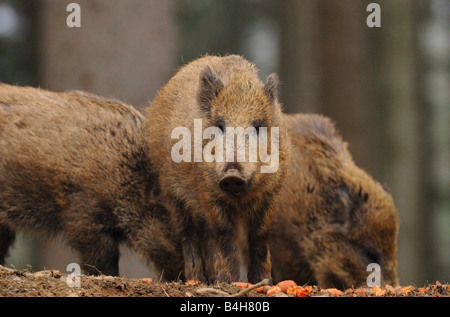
[[223, 92], [81, 166], [74, 164], [333, 218]]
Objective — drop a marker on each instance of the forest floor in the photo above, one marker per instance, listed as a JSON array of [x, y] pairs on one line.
[[53, 283]]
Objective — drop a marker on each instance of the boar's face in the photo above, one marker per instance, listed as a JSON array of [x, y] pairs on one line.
[[241, 113], [360, 228]]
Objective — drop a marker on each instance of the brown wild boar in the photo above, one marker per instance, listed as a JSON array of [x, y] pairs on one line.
[[209, 199], [333, 219], [74, 164]]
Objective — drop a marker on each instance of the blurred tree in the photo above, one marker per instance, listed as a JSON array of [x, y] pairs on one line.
[[345, 88], [123, 49], [435, 83], [299, 63], [368, 81], [17, 42], [224, 27], [405, 134], [18, 66]]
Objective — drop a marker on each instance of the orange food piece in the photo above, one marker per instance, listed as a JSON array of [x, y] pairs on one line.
[[406, 289], [302, 292], [284, 285], [292, 290], [423, 290], [242, 285], [299, 291], [273, 290], [378, 291], [389, 289], [148, 280], [261, 289], [308, 288], [193, 282], [360, 291], [332, 291]]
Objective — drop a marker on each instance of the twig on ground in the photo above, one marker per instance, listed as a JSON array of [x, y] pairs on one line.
[[167, 295], [249, 289]]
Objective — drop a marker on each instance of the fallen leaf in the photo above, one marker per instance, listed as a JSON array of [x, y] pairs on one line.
[[332, 291]]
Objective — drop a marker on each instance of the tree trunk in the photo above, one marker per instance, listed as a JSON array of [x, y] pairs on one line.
[[345, 91], [299, 71], [398, 95], [123, 49]]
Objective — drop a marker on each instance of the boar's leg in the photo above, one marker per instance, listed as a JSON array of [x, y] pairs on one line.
[[223, 251], [6, 239], [94, 238], [155, 241], [99, 253], [258, 239], [189, 231]]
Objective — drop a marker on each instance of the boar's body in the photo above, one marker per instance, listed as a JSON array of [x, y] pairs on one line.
[[208, 200], [73, 164], [333, 218]]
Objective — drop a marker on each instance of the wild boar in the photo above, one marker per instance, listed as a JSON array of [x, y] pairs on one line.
[[208, 199]]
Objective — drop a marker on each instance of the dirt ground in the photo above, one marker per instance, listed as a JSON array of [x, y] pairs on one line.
[[52, 283]]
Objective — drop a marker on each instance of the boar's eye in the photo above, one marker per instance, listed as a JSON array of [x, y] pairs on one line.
[[258, 124], [221, 124]]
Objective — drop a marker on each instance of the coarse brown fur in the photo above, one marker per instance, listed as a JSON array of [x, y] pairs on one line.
[[223, 92], [74, 164], [333, 218]]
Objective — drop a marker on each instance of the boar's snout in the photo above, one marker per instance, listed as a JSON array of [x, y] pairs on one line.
[[233, 182]]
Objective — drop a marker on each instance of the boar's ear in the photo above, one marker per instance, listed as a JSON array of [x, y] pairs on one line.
[[210, 86], [270, 88]]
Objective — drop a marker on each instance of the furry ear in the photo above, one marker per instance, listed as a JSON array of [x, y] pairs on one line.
[[210, 86], [271, 87]]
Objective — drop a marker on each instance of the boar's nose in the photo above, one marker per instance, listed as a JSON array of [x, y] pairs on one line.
[[233, 182]]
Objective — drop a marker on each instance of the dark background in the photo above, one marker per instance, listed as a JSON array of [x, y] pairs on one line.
[[386, 88]]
